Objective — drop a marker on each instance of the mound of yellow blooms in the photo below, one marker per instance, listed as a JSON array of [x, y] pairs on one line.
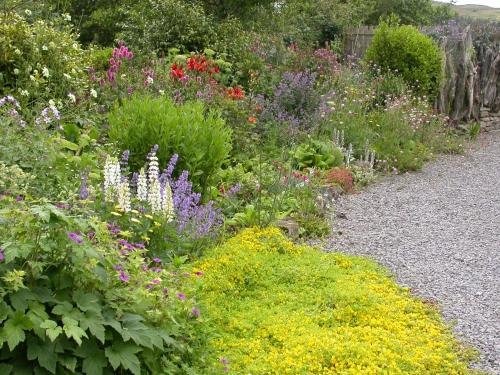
[[278, 308]]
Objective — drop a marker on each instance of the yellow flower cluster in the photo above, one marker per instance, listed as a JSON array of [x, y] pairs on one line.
[[279, 308]]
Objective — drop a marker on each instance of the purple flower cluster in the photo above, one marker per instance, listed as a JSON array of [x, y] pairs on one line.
[[10, 100], [48, 115], [119, 54], [295, 100], [75, 238], [195, 219], [2, 257], [12, 112]]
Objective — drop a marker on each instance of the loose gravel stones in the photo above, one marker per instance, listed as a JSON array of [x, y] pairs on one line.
[[438, 231]]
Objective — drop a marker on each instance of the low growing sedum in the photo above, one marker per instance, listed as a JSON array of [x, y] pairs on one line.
[[278, 308]]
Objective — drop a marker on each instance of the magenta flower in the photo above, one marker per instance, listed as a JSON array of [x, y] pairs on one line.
[[224, 361], [75, 237], [199, 273], [123, 277], [157, 260], [118, 267], [155, 281], [181, 296], [149, 286], [2, 257], [195, 312]]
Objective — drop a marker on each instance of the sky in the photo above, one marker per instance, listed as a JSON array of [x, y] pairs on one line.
[[491, 3]]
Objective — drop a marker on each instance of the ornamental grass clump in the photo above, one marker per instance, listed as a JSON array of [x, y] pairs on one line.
[[279, 308]]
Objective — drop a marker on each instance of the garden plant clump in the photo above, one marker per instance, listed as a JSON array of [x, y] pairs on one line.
[[137, 140]]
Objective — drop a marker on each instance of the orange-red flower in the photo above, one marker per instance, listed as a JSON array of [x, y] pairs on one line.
[[252, 120], [235, 93], [176, 71]]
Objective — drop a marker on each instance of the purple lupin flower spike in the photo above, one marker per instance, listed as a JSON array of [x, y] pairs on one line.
[[84, 193]]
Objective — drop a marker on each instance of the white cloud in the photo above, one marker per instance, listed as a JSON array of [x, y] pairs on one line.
[[491, 3]]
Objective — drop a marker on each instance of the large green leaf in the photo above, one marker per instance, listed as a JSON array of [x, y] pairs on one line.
[[94, 322], [71, 329], [94, 360], [122, 353], [51, 329], [13, 329], [43, 352]]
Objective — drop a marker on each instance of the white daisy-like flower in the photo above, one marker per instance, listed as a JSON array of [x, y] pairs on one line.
[[45, 72], [72, 97], [93, 93]]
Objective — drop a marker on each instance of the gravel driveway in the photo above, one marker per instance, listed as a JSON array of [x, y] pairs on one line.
[[438, 230]]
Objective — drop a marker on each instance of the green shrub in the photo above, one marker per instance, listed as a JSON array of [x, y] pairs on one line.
[[296, 310], [99, 58], [71, 303], [40, 60], [405, 49], [318, 154], [200, 138]]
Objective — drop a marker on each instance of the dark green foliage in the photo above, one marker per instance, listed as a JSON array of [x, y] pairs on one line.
[[159, 25], [411, 12], [407, 51], [200, 138], [63, 309]]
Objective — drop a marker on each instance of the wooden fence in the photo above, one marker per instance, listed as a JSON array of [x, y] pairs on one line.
[[357, 40]]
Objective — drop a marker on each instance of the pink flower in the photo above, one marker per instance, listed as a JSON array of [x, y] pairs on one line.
[[123, 277], [181, 296], [195, 312]]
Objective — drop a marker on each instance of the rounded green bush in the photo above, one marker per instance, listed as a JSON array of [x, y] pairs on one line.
[[200, 137], [414, 55]]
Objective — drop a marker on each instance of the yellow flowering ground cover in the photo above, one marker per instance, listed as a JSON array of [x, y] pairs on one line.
[[279, 308]]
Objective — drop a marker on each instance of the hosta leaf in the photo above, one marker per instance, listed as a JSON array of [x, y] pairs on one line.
[[72, 330], [43, 352], [124, 354], [51, 329]]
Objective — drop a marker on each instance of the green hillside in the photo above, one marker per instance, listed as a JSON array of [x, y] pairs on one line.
[[478, 11]]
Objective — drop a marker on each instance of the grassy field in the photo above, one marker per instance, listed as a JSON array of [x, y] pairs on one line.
[[478, 11]]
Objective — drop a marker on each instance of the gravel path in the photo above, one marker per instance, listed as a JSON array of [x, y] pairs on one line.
[[438, 230]]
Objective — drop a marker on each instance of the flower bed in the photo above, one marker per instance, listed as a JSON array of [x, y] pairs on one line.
[[279, 308]]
